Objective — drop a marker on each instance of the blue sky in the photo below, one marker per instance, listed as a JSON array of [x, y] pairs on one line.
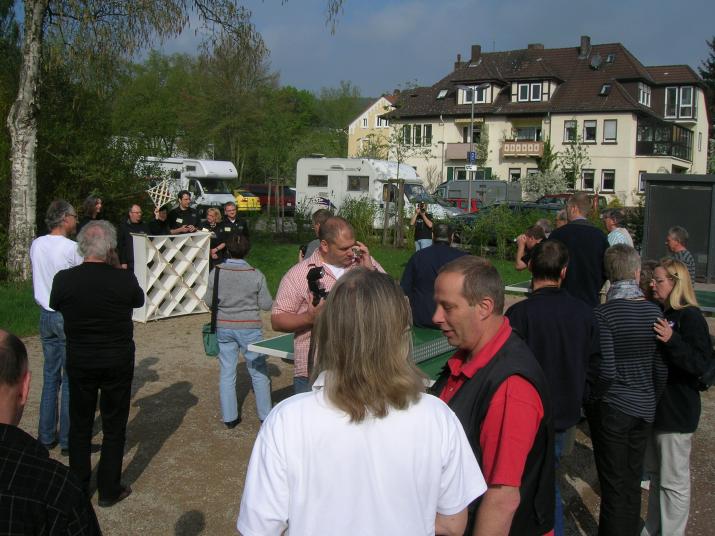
[[381, 45]]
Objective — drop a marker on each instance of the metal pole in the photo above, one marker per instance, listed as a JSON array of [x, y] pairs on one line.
[[471, 149]]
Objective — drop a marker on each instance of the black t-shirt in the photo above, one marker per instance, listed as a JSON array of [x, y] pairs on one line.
[[238, 226], [421, 229], [179, 217], [96, 302], [159, 227]]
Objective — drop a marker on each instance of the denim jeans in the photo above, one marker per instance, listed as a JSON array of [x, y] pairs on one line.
[[559, 511], [52, 334], [422, 243], [229, 343]]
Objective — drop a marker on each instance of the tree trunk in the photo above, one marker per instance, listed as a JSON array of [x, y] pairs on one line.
[[22, 124], [399, 223]]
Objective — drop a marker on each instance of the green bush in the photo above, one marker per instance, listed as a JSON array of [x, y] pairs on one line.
[[361, 214]]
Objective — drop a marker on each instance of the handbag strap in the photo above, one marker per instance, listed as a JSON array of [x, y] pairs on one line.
[[214, 300]]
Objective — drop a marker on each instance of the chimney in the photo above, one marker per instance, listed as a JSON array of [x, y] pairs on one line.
[[476, 54], [585, 49], [536, 46], [458, 63]]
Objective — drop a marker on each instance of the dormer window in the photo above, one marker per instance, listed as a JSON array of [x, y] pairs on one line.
[[481, 95], [442, 94], [605, 90], [529, 92], [644, 94]]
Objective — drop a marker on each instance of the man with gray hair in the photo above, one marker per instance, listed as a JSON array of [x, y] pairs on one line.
[[96, 300], [39, 494], [49, 254], [613, 219], [421, 271], [677, 243]]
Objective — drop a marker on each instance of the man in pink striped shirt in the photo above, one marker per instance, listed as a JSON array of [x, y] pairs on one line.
[[293, 309]]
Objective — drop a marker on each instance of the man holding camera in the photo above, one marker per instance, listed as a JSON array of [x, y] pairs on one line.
[[293, 310], [423, 227]]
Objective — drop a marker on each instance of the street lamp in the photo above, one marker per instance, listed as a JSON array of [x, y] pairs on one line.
[[474, 89]]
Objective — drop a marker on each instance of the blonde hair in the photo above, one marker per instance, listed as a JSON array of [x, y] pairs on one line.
[[216, 212], [363, 341], [682, 295]]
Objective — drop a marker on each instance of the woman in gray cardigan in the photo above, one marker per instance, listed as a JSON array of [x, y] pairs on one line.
[[242, 295]]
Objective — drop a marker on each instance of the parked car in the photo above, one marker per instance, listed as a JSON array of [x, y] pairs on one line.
[[246, 201], [562, 198], [261, 191]]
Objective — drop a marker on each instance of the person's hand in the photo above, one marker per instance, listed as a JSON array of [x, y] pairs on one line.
[[191, 229], [364, 258], [214, 254], [663, 330], [314, 310], [521, 239]]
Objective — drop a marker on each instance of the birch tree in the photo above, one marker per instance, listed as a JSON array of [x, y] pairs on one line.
[[96, 33]]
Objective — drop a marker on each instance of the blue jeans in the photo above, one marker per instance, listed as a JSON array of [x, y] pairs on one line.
[[559, 512], [54, 377], [422, 243], [229, 343]]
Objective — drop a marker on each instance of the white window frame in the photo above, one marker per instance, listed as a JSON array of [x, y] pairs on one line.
[[603, 180], [426, 139], [381, 122], [407, 134], [535, 97], [594, 123], [416, 134], [641, 182], [364, 122], [671, 90], [592, 172], [532, 171], [519, 87], [481, 95], [690, 106], [514, 172], [361, 181], [614, 139], [644, 94], [566, 130]]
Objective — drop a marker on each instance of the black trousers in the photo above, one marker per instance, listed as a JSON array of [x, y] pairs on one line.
[[113, 386], [619, 442]]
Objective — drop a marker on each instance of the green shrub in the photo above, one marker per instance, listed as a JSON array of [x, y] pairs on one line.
[[360, 212]]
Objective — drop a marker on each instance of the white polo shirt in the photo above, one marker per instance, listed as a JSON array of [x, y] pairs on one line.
[[49, 254], [316, 473]]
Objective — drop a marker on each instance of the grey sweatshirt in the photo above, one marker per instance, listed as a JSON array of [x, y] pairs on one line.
[[242, 294]]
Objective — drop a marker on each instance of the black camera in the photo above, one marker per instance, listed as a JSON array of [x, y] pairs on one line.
[[315, 274]]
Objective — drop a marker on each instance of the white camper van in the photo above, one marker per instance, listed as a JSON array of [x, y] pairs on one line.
[[322, 182], [209, 181]]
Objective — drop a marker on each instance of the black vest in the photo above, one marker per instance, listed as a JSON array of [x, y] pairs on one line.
[[535, 514]]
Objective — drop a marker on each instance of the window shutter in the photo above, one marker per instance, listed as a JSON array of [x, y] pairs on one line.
[[450, 173]]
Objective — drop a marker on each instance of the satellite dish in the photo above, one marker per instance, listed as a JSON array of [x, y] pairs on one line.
[[596, 61]]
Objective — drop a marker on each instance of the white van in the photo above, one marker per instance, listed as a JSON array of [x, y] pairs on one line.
[[325, 182], [209, 181]]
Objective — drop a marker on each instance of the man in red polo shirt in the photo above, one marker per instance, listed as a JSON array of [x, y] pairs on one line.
[[499, 392]]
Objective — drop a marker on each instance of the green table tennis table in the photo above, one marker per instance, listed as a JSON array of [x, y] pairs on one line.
[[430, 349]]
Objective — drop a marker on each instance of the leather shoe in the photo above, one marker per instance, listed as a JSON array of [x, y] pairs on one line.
[[51, 445], [105, 503], [233, 423]]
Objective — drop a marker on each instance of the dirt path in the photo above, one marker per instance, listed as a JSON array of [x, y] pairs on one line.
[[187, 469]]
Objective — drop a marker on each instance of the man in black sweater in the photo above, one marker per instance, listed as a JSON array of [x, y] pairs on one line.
[[562, 333], [125, 242], [96, 300], [183, 219], [586, 244]]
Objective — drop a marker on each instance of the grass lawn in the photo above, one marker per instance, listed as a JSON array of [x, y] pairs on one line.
[[19, 313]]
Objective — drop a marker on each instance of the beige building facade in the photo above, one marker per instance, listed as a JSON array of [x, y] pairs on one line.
[[629, 119], [370, 127]]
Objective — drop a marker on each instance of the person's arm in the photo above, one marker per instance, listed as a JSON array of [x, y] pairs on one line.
[[453, 525], [295, 322], [138, 297], [427, 220], [406, 282], [607, 364], [689, 348], [496, 511], [519, 264], [265, 301], [414, 216]]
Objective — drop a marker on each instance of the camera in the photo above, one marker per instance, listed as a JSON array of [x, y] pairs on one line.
[[422, 207], [315, 274]]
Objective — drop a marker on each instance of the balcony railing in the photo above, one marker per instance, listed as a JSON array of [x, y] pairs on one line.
[[522, 148]]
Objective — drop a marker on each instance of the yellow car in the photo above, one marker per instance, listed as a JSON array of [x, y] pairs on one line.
[[246, 201]]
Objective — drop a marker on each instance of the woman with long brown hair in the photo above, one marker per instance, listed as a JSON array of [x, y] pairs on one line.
[[367, 451]]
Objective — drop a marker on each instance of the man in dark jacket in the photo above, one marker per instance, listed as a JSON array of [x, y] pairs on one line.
[[125, 242], [586, 244], [418, 278], [562, 332], [96, 300], [499, 393]]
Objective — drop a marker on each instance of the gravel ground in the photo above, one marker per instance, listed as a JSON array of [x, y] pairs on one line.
[[187, 469]]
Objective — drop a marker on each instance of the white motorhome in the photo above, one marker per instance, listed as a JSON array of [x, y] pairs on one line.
[[208, 181], [322, 182]]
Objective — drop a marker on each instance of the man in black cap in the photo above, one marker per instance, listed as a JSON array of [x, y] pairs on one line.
[[421, 271]]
